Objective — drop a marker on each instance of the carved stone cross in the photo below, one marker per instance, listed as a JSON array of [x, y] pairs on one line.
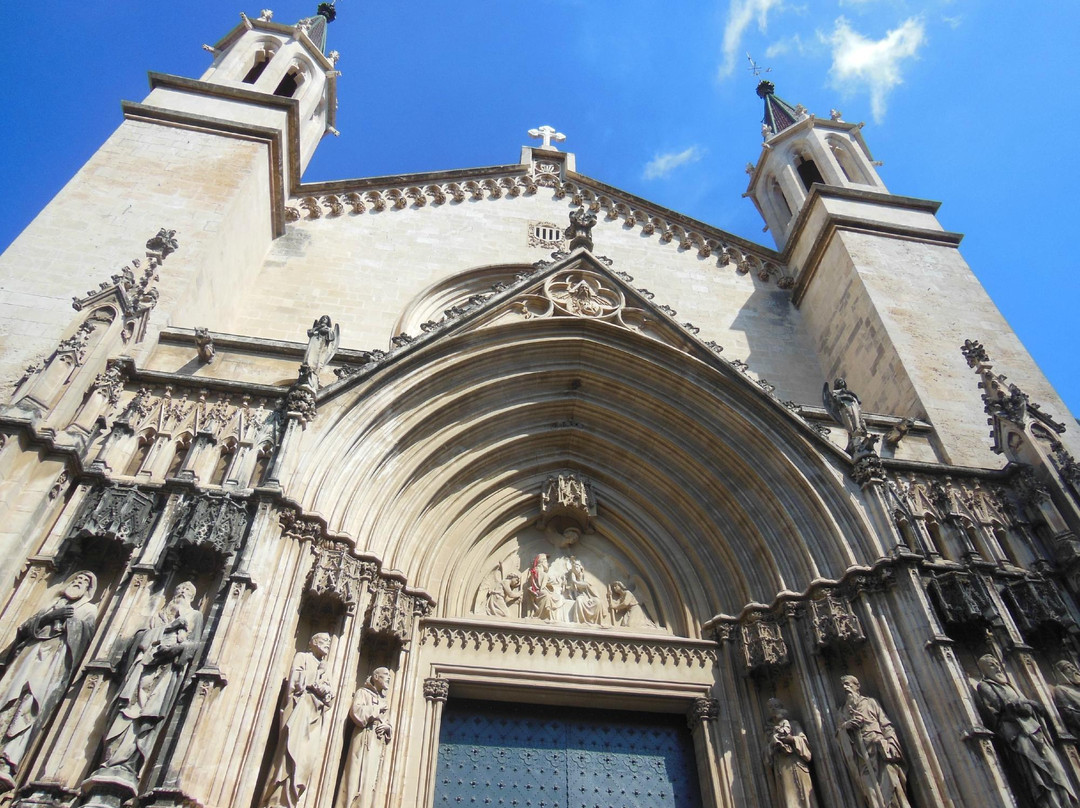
[[548, 134]]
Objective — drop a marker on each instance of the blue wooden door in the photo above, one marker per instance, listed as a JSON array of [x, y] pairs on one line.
[[525, 756]]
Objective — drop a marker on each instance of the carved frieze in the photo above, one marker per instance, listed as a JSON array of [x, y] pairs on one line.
[[338, 575], [116, 511], [213, 521], [763, 646]]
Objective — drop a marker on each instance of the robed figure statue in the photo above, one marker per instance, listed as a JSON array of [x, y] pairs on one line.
[[300, 739], [367, 747], [871, 749], [37, 668], [157, 659], [1022, 725], [787, 751]]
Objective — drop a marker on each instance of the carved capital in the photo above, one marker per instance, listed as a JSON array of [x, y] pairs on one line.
[[868, 470], [701, 710], [436, 689]]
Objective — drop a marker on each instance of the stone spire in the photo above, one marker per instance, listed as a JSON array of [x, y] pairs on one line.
[[315, 27], [779, 114]]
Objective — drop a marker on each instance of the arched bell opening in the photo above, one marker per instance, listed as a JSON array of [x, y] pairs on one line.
[[702, 480]]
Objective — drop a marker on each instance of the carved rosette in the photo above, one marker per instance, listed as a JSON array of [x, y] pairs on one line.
[[436, 689], [211, 521], [834, 622], [702, 710], [117, 511], [337, 575], [764, 649]]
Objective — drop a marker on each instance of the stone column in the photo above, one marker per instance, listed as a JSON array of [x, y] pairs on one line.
[[436, 691]]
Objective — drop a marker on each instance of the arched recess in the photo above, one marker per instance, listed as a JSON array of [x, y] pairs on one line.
[[711, 491], [456, 290]]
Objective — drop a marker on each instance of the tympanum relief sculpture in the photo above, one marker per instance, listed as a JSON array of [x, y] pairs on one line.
[[300, 739], [562, 590], [38, 666], [371, 732], [153, 670]]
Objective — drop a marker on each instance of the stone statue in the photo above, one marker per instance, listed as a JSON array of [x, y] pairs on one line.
[[788, 754], [371, 732], [871, 749], [846, 409], [505, 594], [323, 339], [1067, 695], [156, 661], [1022, 726], [586, 607], [300, 738], [37, 668], [625, 609], [543, 596]]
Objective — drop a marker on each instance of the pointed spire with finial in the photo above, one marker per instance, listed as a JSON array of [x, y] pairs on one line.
[[779, 114], [315, 27]]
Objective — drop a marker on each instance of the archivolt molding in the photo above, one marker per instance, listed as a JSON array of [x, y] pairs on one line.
[[451, 444], [686, 234]]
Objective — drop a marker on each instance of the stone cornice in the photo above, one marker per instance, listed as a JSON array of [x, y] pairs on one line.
[[398, 192]]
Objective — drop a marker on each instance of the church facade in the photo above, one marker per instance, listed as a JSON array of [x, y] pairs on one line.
[[503, 486]]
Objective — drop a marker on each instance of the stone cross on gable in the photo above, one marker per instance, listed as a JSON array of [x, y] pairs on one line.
[[548, 134]]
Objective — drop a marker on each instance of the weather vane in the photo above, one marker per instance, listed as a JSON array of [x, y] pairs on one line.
[[755, 68]]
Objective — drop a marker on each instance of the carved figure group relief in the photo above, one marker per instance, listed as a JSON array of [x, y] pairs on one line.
[[153, 669], [787, 753], [37, 668], [1022, 726], [560, 590], [871, 749], [302, 716], [371, 732]]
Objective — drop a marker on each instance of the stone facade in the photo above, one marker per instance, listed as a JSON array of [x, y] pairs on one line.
[[542, 441]]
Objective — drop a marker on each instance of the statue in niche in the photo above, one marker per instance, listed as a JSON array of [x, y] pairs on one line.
[[788, 754], [157, 659], [625, 609], [323, 339], [367, 747], [845, 408], [871, 749], [38, 666], [504, 595], [1023, 727], [543, 596], [300, 738], [587, 607], [1067, 695]]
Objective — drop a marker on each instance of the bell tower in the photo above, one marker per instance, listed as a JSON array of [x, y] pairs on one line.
[[886, 295], [211, 159]]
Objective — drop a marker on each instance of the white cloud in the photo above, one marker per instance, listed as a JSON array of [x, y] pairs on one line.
[[793, 44], [664, 164], [740, 14], [874, 65]]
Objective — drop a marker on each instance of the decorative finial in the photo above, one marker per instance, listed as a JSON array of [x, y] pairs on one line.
[[765, 87], [327, 10], [548, 134], [266, 15], [333, 56], [836, 115]]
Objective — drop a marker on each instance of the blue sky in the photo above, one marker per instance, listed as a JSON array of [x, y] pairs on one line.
[[968, 102]]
